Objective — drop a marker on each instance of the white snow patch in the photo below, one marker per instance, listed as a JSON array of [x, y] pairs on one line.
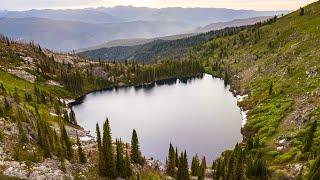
[[67, 101], [244, 115], [280, 148], [241, 98], [54, 83], [86, 138], [53, 114], [282, 141]]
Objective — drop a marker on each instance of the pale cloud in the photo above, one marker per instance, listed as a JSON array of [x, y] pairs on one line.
[[233, 4]]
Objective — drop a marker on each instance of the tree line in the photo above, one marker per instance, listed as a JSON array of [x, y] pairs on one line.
[[117, 163]]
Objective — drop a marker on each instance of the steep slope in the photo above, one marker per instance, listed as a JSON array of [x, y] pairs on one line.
[[233, 23], [277, 64]]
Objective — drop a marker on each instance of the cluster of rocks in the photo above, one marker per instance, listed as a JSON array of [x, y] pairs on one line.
[[155, 164], [47, 170], [22, 74]]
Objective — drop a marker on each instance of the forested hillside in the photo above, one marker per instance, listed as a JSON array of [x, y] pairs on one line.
[[277, 64], [157, 50]]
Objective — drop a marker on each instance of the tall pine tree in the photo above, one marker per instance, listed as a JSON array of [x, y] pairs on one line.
[[183, 170], [109, 163], [135, 149], [171, 164], [120, 160], [100, 153], [81, 154], [127, 165]]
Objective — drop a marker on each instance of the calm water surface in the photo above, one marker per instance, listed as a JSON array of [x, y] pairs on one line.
[[200, 116]]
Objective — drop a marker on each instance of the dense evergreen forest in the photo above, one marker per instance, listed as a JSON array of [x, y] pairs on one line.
[[156, 50], [103, 74]]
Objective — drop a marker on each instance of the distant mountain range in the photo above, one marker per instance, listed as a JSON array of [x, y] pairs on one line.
[[233, 23], [65, 30], [68, 35], [147, 50]]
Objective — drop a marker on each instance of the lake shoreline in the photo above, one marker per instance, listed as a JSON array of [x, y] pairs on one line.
[[80, 99], [183, 82]]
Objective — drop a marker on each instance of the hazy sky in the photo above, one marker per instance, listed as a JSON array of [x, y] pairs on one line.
[[233, 4]]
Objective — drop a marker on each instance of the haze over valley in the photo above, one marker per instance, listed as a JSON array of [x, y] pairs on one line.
[[72, 29]]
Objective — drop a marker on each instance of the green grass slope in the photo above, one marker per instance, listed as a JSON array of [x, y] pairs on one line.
[[278, 65]]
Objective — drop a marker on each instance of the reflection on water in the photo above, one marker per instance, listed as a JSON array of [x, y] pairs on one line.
[[196, 114]]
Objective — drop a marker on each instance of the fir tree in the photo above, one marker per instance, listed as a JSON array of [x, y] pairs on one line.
[[135, 149], [177, 157], [16, 96], [2, 89], [314, 172], [22, 135], [100, 153], [127, 165], [309, 136], [61, 155], [120, 160], [202, 169], [195, 166], [301, 11], [271, 88], [81, 154], [183, 171], [72, 117], [109, 163], [171, 162], [66, 142], [66, 116]]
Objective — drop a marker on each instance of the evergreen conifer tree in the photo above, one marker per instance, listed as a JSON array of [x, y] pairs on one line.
[[22, 135], [61, 156], [301, 11], [177, 158], [135, 149], [109, 163], [183, 171], [309, 136], [314, 172], [72, 117], [66, 142], [120, 160], [81, 154], [271, 88], [195, 166], [171, 162], [100, 153], [202, 169], [127, 164]]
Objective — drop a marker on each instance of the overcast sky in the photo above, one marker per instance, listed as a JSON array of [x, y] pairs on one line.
[[233, 4]]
